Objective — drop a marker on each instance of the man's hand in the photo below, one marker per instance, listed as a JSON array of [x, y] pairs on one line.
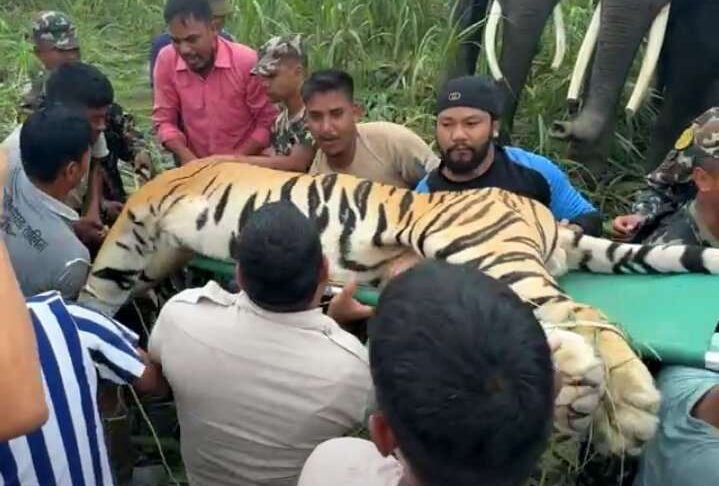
[[625, 227], [90, 231], [345, 309], [112, 210]]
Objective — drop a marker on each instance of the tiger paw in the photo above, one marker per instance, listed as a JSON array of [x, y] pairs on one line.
[[581, 381], [627, 418]]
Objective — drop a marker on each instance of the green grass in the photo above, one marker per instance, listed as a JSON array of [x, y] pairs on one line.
[[395, 49]]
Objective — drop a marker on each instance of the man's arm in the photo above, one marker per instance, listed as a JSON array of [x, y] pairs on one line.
[[298, 160], [566, 201], [166, 108], [414, 157], [22, 399], [262, 112]]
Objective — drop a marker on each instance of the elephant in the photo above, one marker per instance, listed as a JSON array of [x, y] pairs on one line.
[[688, 73], [523, 23]]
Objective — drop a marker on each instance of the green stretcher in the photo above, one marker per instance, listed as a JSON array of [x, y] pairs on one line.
[[669, 318]]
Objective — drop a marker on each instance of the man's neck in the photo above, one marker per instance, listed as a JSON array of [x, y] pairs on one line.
[[344, 159], [53, 190], [294, 104], [476, 173], [708, 213], [707, 409]]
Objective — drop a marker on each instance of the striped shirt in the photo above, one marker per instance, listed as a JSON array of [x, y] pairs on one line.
[[75, 345]]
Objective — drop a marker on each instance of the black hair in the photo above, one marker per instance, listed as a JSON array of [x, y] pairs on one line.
[[78, 83], [280, 257], [51, 138], [185, 9], [327, 80], [463, 374]]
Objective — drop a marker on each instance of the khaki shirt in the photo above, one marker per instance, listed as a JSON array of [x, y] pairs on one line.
[[257, 391], [350, 462], [387, 153]]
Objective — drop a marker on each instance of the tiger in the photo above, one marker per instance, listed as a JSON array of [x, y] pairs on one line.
[[366, 228]]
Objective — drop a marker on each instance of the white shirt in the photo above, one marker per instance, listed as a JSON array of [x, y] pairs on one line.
[[257, 391]]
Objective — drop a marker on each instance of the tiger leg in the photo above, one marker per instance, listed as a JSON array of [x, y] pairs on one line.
[[627, 417]]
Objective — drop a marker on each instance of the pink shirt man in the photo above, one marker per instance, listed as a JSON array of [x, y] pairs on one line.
[[218, 113]]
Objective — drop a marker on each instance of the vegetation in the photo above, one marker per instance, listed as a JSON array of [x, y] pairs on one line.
[[395, 49]]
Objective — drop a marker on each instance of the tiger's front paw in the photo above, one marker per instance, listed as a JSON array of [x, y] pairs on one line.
[[581, 381], [627, 418]]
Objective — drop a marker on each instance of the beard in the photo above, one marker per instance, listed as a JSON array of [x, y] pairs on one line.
[[462, 167]]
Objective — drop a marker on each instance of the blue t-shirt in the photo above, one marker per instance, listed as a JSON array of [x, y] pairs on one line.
[[524, 173], [163, 40], [685, 450]]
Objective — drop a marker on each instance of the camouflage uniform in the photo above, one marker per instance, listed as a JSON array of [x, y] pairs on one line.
[[286, 131], [674, 176], [670, 184], [57, 29]]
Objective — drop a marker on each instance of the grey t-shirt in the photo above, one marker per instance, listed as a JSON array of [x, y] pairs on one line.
[[44, 251], [685, 450]]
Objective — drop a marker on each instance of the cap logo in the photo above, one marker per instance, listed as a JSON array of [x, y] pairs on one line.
[[685, 139], [454, 96]]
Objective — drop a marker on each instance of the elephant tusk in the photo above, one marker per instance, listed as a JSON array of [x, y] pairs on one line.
[[560, 35], [649, 63], [583, 57], [490, 40]]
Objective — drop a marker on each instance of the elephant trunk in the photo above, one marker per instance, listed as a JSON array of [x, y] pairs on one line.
[[523, 24], [622, 26]]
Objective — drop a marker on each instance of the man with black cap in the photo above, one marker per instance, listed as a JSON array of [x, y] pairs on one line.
[[468, 112]]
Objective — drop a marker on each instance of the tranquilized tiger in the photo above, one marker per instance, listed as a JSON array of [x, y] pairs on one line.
[[366, 227]]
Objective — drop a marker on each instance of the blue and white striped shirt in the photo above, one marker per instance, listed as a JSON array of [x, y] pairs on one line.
[[75, 345]]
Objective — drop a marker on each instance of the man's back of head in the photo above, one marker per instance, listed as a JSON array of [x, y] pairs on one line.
[[81, 84], [280, 258], [463, 377], [51, 139]]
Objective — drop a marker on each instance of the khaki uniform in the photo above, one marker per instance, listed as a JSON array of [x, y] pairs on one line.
[[387, 153], [257, 391], [287, 132]]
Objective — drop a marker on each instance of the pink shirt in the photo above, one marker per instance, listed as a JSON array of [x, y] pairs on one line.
[[219, 113]]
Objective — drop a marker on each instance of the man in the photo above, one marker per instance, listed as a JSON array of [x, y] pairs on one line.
[[221, 10], [262, 377], [379, 151], [80, 85], [75, 345], [464, 384], [673, 185], [282, 66], [205, 81], [468, 111], [55, 154], [55, 42]]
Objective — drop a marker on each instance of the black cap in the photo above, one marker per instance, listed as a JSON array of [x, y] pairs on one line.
[[478, 92]]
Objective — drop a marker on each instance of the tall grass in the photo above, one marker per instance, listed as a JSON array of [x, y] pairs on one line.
[[395, 49]]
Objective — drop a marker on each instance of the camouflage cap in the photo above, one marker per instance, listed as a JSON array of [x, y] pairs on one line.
[[56, 28], [275, 50], [220, 8], [700, 140]]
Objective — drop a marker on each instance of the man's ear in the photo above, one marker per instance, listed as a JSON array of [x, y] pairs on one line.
[[324, 272], [702, 179], [496, 127], [357, 111], [72, 172], [382, 434]]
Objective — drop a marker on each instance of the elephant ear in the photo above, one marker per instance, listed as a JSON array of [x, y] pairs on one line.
[[685, 139]]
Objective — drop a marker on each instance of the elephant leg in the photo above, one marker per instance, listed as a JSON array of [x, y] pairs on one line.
[[466, 13], [691, 72]]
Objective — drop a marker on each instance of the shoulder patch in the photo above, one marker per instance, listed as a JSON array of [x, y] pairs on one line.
[[685, 139]]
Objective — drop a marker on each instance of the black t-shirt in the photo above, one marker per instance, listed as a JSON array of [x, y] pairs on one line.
[[504, 174]]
